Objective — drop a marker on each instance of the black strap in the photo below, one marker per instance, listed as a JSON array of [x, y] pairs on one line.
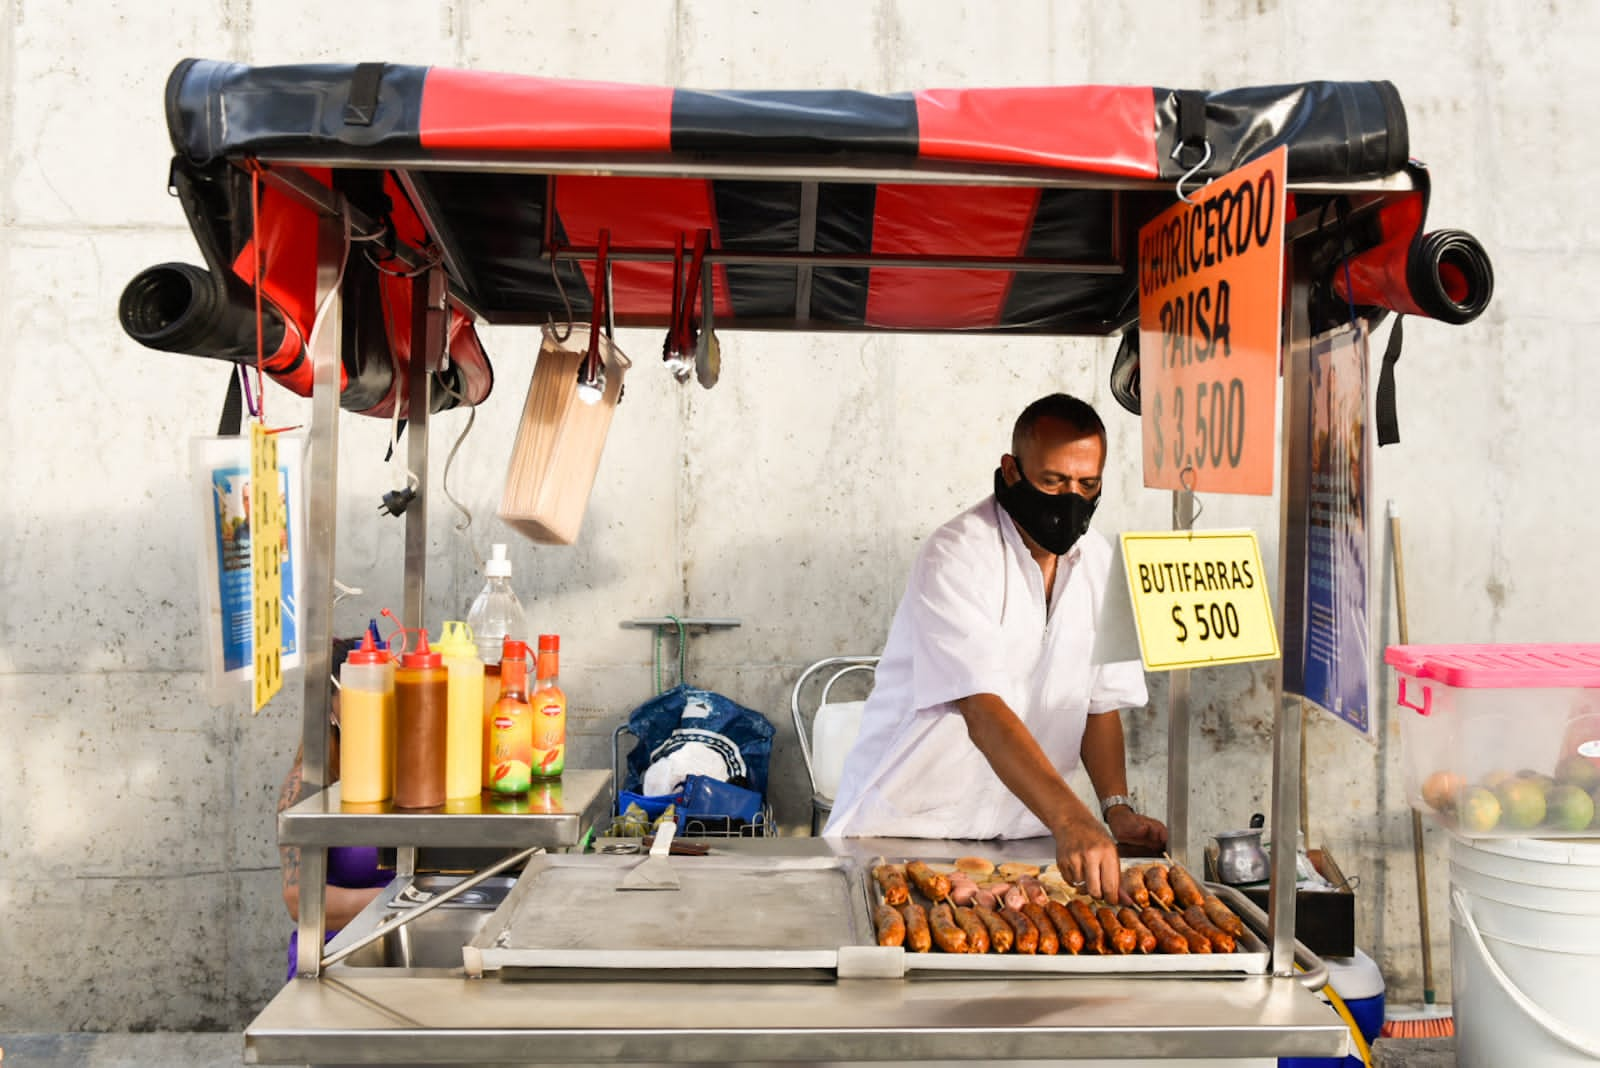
[[362, 106], [1191, 105], [232, 407], [1388, 423]]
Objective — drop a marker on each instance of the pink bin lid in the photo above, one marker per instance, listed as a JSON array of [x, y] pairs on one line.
[[1499, 666]]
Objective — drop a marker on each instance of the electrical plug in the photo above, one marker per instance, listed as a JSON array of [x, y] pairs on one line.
[[395, 502]]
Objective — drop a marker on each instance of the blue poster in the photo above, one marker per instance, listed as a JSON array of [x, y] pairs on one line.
[[1336, 654], [230, 494]]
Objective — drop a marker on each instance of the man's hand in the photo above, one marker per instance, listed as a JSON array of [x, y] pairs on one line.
[[1130, 828], [1088, 859]]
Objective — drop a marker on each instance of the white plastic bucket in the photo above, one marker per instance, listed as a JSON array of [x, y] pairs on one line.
[[1525, 951]]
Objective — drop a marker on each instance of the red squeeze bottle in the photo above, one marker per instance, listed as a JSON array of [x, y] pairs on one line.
[[421, 697]]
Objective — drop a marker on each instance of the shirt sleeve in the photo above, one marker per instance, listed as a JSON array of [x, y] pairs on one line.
[[1118, 685], [954, 613]]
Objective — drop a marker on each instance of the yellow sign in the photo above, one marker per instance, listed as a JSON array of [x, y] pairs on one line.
[[1199, 597], [265, 505], [1210, 322]]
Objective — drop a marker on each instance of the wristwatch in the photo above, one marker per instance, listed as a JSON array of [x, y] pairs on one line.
[[1109, 803]]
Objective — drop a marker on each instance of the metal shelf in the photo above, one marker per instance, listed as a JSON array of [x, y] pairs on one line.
[[553, 819]]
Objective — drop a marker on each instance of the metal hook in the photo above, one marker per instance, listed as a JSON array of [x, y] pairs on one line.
[[1186, 478], [1192, 171], [565, 332]]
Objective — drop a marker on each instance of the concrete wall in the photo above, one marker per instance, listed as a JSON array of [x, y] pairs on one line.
[[138, 878]]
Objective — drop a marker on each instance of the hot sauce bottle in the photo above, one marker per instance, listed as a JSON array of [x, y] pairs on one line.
[[511, 729], [549, 712]]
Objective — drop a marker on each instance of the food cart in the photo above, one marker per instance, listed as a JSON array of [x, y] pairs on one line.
[[356, 219]]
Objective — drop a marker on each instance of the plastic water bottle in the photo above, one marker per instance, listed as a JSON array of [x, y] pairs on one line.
[[496, 614]]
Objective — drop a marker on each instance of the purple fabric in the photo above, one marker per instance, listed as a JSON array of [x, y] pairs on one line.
[[352, 867]]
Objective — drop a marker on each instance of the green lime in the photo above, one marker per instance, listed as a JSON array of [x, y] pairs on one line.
[[1480, 809], [1569, 808], [1522, 801]]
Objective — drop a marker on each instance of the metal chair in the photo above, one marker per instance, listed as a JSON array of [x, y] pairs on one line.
[[840, 734]]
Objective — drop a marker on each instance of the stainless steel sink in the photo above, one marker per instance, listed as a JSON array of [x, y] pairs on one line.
[[431, 940]]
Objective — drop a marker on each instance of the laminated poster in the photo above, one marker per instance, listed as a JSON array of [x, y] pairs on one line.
[[1336, 655], [221, 476]]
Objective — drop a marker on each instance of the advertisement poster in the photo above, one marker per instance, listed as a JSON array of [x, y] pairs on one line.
[[1336, 655]]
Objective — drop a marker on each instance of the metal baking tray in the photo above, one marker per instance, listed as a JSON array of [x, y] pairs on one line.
[[730, 912], [1251, 959]]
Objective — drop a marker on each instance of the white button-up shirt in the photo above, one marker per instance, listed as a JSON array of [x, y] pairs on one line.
[[974, 620]]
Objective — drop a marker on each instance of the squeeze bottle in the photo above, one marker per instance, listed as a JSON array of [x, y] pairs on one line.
[[549, 712], [366, 725], [511, 731], [463, 764], [421, 697]]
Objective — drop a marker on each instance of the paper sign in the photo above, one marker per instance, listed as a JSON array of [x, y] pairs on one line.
[[266, 562], [1210, 324], [1199, 597]]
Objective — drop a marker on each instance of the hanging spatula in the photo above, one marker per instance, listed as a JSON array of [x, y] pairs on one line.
[[655, 871]]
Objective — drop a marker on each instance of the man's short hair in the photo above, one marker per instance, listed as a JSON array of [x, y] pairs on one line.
[[1062, 407]]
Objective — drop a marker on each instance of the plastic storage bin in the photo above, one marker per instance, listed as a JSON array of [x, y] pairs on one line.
[[1359, 983], [1501, 741]]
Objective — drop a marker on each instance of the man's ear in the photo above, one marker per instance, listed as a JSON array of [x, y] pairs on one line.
[[1008, 468]]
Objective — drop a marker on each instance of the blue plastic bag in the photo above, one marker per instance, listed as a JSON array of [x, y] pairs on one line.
[[705, 796], [685, 715]]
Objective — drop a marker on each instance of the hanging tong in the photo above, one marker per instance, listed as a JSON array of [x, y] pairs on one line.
[[680, 346], [592, 370], [707, 349], [672, 353]]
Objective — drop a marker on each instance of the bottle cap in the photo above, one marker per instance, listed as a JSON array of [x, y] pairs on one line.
[[514, 650], [456, 640], [497, 566], [422, 656], [369, 652], [549, 643], [377, 639]]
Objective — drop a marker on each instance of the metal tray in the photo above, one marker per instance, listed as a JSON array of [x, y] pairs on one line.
[[730, 912], [1252, 959]]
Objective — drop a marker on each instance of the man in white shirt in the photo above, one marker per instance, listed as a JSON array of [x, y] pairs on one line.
[[987, 694]]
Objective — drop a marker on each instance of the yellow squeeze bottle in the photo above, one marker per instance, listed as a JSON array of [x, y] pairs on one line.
[[366, 725], [463, 768]]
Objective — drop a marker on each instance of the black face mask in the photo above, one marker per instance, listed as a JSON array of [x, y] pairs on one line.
[[1055, 520]]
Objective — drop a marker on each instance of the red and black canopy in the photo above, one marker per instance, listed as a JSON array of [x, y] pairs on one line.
[[989, 210]]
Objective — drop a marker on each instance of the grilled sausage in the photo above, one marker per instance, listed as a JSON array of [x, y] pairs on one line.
[[1134, 891], [947, 933], [977, 933], [1222, 916], [933, 885], [1001, 936], [1093, 939], [1198, 943], [1220, 940], [1120, 938], [1167, 940], [1027, 935], [1049, 941], [1155, 880], [1130, 919], [890, 924], [1067, 931], [1034, 889], [892, 878], [918, 939], [1184, 887]]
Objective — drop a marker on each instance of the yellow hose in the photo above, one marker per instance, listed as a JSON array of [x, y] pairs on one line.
[[1350, 1021]]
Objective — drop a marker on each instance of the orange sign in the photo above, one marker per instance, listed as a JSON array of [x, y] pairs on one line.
[[1210, 325]]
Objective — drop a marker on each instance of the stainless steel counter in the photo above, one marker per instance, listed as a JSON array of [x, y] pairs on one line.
[[439, 1016], [553, 815]]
